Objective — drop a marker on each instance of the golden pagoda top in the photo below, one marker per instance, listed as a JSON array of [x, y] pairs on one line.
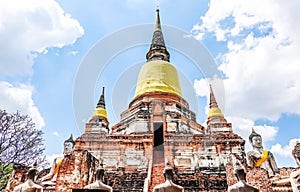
[[158, 75], [214, 110], [100, 110]]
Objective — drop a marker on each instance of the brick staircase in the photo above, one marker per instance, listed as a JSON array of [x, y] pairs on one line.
[[158, 166], [157, 176]]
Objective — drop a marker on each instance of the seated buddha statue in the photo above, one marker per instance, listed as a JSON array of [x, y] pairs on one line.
[[242, 184], [98, 184], [293, 181], [296, 153], [50, 178], [168, 185], [29, 185], [295, 175], [260, 157]]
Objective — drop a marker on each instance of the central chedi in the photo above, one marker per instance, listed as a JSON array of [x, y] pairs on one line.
[[156, 129], [158, 75]]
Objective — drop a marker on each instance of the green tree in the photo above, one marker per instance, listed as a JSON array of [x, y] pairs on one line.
[[20, 143]]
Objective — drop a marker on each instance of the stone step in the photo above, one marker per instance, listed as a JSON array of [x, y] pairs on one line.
[[158, 155], [157, 176]]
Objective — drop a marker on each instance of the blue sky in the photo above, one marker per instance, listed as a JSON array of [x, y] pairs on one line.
[[45, 45]]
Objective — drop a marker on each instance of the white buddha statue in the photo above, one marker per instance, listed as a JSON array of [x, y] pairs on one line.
[[260, 157], [98, 184], [50, 178], [296, 153], [29, 185], [241, 185], [168, 185], [295, 175]]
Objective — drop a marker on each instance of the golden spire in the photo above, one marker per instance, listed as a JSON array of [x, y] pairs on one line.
[[101, 102], [100, 109], [158, 48], [158, 75], [214, 110]]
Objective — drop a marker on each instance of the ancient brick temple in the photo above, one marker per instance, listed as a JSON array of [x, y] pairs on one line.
[[158, 127]]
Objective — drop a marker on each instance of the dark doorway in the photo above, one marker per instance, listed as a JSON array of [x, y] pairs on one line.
[[158, 145], [158, 134]]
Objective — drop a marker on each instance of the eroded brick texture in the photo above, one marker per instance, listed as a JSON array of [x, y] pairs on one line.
[[76, 171]]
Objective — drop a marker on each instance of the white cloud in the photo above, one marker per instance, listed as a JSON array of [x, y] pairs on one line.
[[73, 53], [30, 27], [55, 133], [13, 98], [244, 128], [201, 87], [285, 151], [261, 64]]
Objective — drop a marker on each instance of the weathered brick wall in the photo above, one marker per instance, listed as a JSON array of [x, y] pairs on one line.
[[200, 181], [125, 181], [76, 171], [286, 171], [257, 177], [231, 179]]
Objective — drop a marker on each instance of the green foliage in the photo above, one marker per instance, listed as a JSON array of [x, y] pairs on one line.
[[5, 172]]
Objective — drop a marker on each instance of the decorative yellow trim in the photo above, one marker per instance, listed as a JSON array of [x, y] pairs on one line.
[[262, 159], [215, 112], [158, 76], [100, 112]]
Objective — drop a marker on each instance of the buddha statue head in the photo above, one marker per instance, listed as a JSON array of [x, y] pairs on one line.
[[32, 173], [255, 139], [168, 172], [69, 145], [240, 173], [100, 172]]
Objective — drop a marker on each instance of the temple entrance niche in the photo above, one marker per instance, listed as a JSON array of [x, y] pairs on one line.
[[158, 143], [158, 135]]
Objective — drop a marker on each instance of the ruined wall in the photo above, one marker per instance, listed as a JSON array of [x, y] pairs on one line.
[[125, 181], [76, 171], [257, 177], [286, 171], [202, 182]]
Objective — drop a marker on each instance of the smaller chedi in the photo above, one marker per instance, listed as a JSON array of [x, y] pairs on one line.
[[259, 157], [168, 185]]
